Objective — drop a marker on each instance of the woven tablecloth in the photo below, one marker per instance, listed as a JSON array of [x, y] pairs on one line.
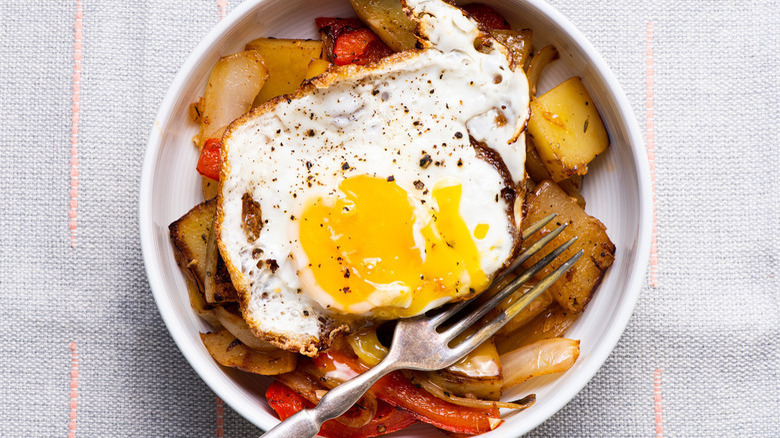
[[84, 351]]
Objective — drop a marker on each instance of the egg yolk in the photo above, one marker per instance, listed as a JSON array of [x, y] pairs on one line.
[[361, 248]]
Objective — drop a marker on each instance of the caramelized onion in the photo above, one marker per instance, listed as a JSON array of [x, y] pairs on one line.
[[367, 347], [543, 357], [232, 86], [541, 58], [358, 415], [437, 391], [239, 328]]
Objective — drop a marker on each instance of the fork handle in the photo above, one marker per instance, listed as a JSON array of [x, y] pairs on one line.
[[338, 400]]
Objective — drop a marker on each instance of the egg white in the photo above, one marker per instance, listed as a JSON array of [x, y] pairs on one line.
[[384, 121]]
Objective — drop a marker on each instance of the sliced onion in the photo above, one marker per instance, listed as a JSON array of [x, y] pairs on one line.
[[541, 58], [367, 347], [303, 384], [232, 86], [437, 391], [543, 357], [239, 328]]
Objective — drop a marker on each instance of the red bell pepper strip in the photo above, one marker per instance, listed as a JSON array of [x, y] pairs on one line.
[[208, 162], [353, 42], [360, 46], [287, 402], [487, 16], [335, 27], [397, 390]]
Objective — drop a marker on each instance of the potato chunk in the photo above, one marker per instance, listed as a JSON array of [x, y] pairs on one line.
[[317, 67], [566, 129], [230, 352], [387, 19], [190, 235], [576, 287], [551, 323], [287, 62], [218, 287]]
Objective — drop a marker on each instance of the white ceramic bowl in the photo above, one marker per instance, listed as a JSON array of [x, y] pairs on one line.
[[617, 190]]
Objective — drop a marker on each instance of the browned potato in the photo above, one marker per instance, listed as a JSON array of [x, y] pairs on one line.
[[517, 41], [189, 235], [551, 323], [317, 67], [388, 21], [218, 287], [537, 306], [566, 129], [533, 163], [534, 308], [230, 352], [575, 288], [572, 187], [287, 62]]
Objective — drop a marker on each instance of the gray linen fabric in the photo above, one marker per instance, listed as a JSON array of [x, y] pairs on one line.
[[705, 338]]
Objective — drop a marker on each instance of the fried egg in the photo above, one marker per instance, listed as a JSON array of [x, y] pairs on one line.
[[376, 191]]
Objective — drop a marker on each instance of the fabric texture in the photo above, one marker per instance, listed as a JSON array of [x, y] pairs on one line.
[[85, 352]]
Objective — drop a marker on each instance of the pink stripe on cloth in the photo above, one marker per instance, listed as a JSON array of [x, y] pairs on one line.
[[657, 402], [74, 390], [222, 5], [73, 215], [650, 141], [220, 418]]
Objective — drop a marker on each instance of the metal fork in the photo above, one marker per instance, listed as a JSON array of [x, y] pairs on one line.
[[422, 342]]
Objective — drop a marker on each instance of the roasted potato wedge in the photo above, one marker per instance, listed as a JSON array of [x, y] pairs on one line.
[[230, 352], [218, 287], [572, 187], [317, 67], [566, 129], [576, 287], [387, 19], [551, 323], [287, 62], [517, 41], [189, 235], [536, 307], [533, 163], [533, 309]]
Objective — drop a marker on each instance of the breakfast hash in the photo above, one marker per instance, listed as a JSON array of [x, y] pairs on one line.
[[380, 172]]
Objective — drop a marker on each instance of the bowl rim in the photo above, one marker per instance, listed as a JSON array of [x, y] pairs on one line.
[[606, 345]]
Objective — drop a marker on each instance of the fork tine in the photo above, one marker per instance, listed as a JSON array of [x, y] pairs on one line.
[[461, 325], [494, 325], [533, 249], [538, 226], [445, 315]]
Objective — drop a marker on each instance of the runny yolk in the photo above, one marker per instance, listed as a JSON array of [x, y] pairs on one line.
[[361, 248]]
